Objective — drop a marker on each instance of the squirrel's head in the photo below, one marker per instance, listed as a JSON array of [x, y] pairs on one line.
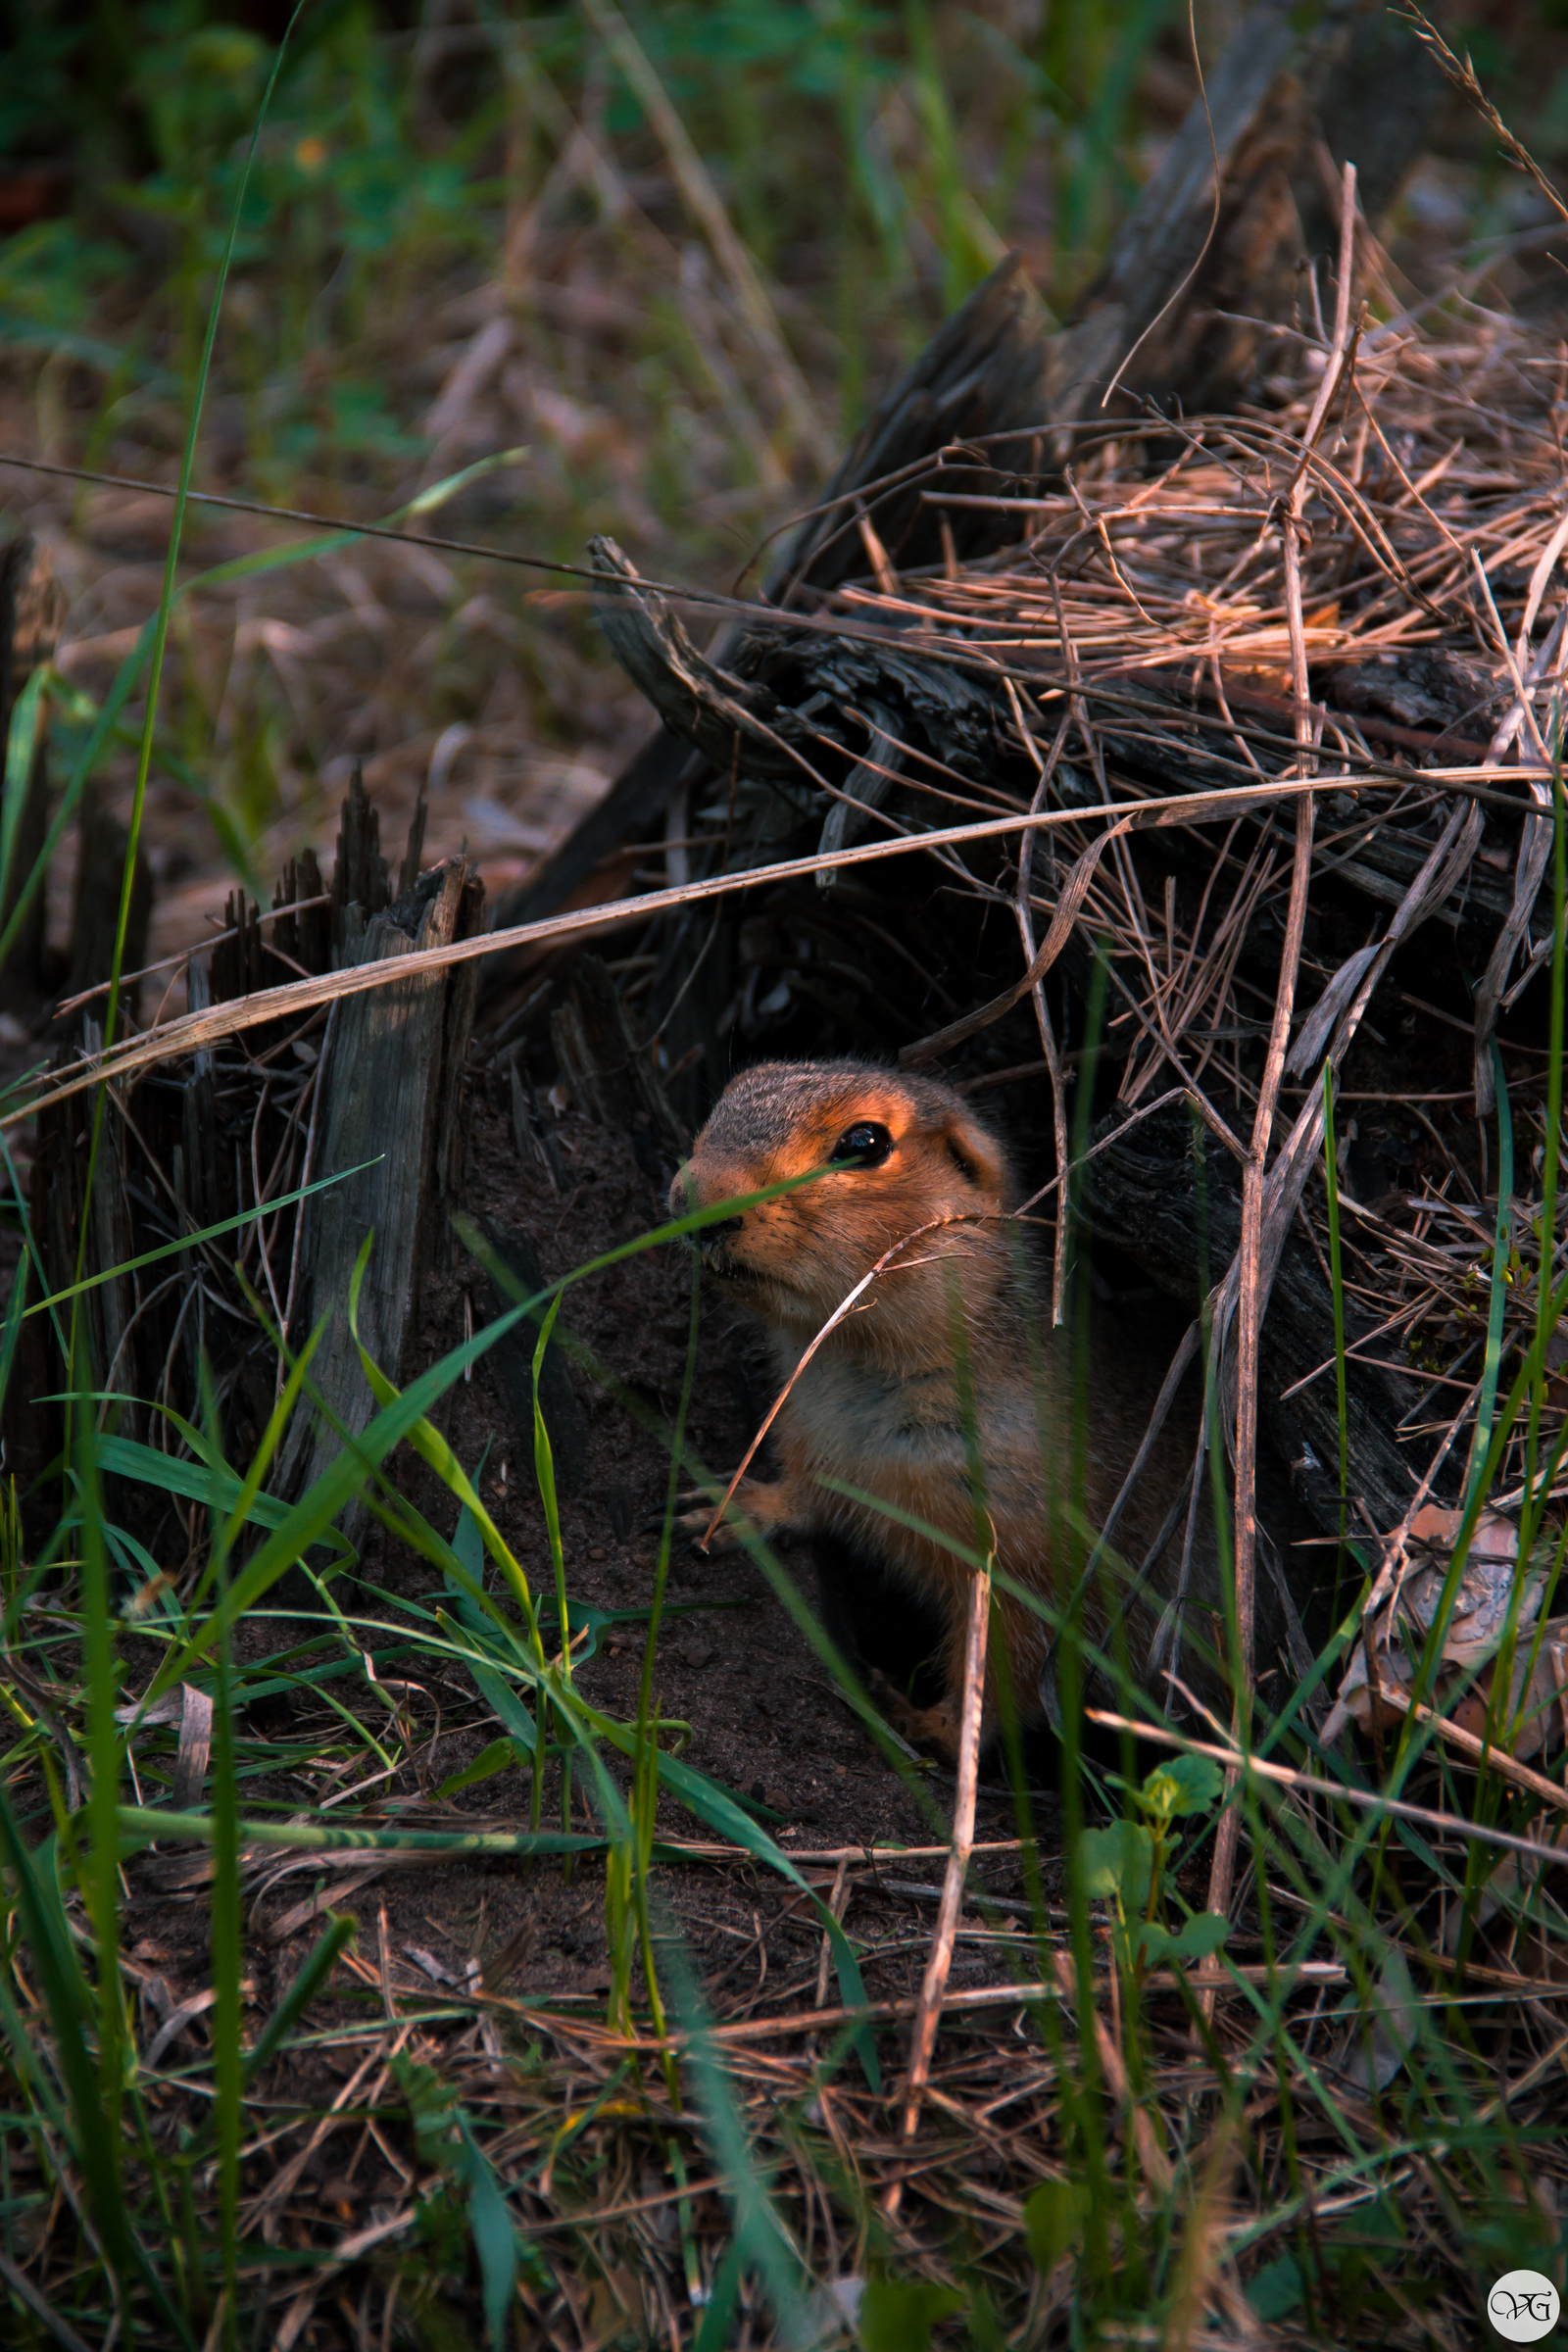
[[884, 1154]]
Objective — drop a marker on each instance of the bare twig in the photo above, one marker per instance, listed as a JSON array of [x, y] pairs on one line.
[[1252, 1288], [922, 2041]]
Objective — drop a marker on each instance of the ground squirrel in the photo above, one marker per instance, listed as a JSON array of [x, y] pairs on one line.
[[880, 1406]]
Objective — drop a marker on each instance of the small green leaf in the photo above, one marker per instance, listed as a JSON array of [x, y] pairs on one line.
[[1053, 2221], [499, 1757], [1200, 1936], [1099, 1858], [1119, 1861], [1277, 2288], [1149, 1940], [898, 2315], [1184, 1784]]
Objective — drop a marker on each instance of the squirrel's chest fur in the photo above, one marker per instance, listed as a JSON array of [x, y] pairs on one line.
[[909, 1437]]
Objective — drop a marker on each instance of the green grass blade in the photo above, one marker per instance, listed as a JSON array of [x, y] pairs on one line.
[[193, 1241], [143, 1825], [1553, 1139], [11, 1333], [761, 2243], [105, 719], [307, 1521], [82, 770], [227, 1928], [166, 601], [1492, 1363], [101, 1887], [199, 1482], [495, 2235], [309, 551], [71, 2008], [1331, 1185], [633, 1898], [704, 1797], [21, 744], [159, 647]]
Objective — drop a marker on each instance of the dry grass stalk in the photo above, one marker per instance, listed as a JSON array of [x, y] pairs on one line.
[[1154, 2162], [846, 1307], [192, 1032], [922, 2043], [1485, 1753], [1251, 1290], [697, 188], [1462, 73], [1042, 1022]]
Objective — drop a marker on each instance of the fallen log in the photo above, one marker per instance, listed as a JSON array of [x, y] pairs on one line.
[[1212, 248]]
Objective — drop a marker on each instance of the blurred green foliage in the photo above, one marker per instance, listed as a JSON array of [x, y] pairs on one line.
[[876, 158], [894, 144]]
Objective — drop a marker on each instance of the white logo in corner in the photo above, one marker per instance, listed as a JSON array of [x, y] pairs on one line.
[[1523, 2307]]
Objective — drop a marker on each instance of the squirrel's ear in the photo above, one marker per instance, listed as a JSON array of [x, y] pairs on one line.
[[977, 1154]]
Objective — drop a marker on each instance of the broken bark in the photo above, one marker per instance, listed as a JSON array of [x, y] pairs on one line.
[[240, 1126], [1214, 246], [390, 1081]]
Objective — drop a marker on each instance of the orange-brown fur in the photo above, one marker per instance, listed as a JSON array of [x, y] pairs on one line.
[[880, 1406]]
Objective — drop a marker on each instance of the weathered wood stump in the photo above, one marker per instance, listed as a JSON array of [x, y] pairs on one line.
[[390, 1087], [372, 1084]]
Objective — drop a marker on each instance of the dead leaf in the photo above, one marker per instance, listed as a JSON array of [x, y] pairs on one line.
[[1373, 2051], [1540, 1710], [1476, 1623]]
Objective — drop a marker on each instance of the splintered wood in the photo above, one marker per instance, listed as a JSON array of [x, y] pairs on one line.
[[202, 1167]]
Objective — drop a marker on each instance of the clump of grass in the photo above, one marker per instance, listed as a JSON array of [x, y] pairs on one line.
[[1328, 2143]]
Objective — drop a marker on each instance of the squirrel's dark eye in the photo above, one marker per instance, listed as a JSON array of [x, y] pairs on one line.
[[865, 1145]]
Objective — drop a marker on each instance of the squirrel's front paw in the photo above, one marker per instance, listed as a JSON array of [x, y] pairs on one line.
[[693, 1520], [934, 1730], [768, 1508]]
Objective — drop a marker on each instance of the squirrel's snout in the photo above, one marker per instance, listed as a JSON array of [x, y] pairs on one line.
[[684, 1197]]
